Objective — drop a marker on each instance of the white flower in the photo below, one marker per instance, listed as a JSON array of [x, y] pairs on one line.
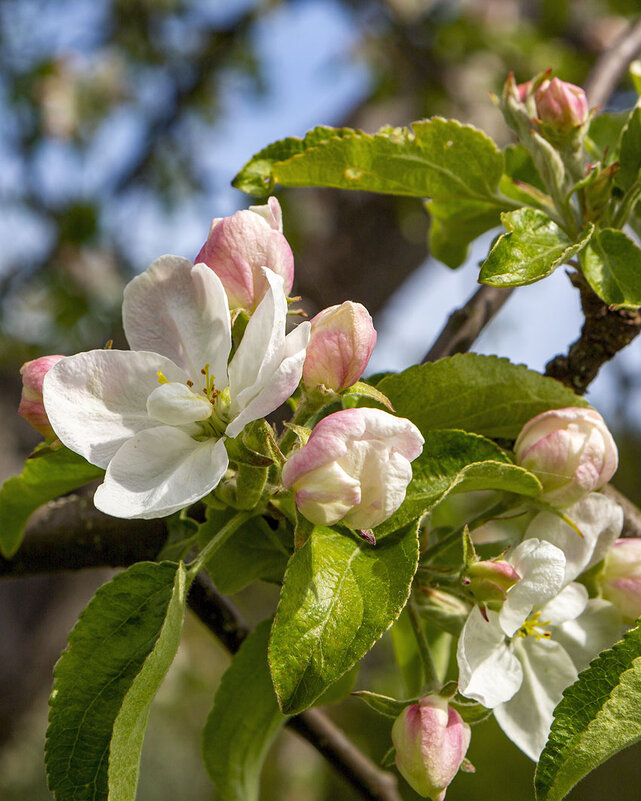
[[519, 660], [156, 416]]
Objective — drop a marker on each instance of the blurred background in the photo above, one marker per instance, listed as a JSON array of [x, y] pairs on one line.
[[122, 123]]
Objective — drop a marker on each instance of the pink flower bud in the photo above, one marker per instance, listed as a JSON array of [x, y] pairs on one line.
[[561, 105], [431, 741], [570, 451], [523, 90], [355, 468], [238, 247], [341, 342], [489, 581], [31, 405], [621, 578]]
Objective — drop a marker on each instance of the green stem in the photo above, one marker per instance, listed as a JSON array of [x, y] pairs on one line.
[[217, 542], [432, 682], [455, 535]]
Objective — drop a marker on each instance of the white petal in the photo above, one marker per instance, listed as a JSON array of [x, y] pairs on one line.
[[567, 605], [542, 568], [598, 519], [160, 471], [488, 670], [97, 400], [176, 405], [262, 347], [596, 629], [180, 311], [278, 386], [547, 671]]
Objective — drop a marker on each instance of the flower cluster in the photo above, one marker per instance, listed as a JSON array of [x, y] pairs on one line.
[[159, 417]]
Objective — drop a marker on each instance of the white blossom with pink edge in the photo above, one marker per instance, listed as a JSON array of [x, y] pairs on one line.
[[518, 661], [341, 343], [354, 469], [570, 451], [156, 417], [238, 247], [620, 580], [431, 740]]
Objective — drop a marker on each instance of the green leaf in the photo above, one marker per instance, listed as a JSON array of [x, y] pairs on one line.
[[182, 536], [605, 134], [629, 151], [520, 167], [340, 595], [256, 177], [457, 461], [340, 689], [255, 551], [437, 158], [119, 652], [483, 394], [244, 721], [612, 266], [533, 247], [47, 474], [598, 716], [457, 223], [383, 704]]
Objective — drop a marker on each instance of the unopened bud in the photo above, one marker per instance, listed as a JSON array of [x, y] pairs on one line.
[[238, 247], [570, 451], [341, 342], [621, 578], [354, 469], [431, 741], [489, 581], [560, 105], [31, 405]]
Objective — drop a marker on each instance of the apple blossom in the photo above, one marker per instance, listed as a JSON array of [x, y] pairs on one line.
[[518, 661], [354, 469], [620, 580], [238, 247], [341, 342], [431, 740], [570, 451], [561, 105], [156, 417], [31, 404]]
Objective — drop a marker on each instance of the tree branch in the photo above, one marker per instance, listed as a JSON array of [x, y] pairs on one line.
[[465, 324], [70, 533], [604, 333], [611, 65]]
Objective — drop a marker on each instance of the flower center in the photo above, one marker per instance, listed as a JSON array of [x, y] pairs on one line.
[[532, 628]]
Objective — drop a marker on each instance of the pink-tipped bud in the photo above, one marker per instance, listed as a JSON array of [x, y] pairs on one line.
[[431, 741], [621, 578], [524, 90], [489, 581], [561, 105], [570, 451], [342, 340], [354, 469], [238, 247], [31, 405]]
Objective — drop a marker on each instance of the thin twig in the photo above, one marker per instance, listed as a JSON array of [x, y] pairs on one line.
[[612, 64], [70, 533], [465, 324]]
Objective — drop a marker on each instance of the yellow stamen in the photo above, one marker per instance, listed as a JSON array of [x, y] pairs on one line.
[[532, 626], [161, 377], [209, 391]]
